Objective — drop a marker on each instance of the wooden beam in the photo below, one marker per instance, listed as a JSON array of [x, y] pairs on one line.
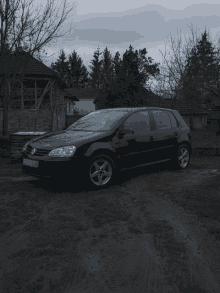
[[37, 78], [37, 104], [9, 88], [22, 96], [35, 89], [51, 94]]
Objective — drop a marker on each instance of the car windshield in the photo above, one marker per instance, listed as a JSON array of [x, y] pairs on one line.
[[97, 121]]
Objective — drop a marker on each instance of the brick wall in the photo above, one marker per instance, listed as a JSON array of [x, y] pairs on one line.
[[31, 120]]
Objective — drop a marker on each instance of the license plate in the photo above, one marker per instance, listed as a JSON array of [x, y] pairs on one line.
[[30, 163]]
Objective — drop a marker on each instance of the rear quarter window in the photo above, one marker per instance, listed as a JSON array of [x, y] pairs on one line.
[[180, 119], [173, 120]]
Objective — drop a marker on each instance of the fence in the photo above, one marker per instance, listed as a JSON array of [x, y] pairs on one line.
[[31, 120]]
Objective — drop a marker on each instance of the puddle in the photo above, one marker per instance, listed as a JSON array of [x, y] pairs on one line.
[[93, 262]]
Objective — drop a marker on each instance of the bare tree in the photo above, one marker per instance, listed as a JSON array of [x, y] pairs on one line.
[[173, 64], [170, 83], [30, 28]]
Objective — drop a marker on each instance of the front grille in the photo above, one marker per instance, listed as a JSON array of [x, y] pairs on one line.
[[39, 152]]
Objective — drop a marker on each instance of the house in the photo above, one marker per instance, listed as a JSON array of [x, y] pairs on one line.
[[83, 106], [39, 100], [89, 101], [86, 99]]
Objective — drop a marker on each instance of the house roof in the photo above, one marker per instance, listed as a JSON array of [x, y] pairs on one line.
[[32, 68], [150, 100], [81, 94], [69, 95], [24, 61]]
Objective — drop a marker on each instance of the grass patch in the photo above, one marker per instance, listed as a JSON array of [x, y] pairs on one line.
[[205, 139]]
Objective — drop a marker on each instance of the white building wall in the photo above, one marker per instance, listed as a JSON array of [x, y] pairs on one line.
[[84, 106]]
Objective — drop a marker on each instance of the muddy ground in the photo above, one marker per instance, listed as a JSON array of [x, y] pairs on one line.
[[155, 230]]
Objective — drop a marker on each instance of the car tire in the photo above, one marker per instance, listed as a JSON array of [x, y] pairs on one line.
[[182, 157], [100, 171]]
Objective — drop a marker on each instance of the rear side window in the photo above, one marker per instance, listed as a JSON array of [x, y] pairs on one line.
[[173, 120], [162, 119]]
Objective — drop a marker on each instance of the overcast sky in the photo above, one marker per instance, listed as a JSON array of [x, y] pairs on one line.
[[118, 23]]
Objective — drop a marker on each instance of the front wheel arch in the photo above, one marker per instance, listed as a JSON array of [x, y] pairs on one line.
[[104, 152], [110, 169]]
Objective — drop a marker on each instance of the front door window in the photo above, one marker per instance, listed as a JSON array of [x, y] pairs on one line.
[[134, 146]]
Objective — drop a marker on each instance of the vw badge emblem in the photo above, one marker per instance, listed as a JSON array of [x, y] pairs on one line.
[[33, 151]]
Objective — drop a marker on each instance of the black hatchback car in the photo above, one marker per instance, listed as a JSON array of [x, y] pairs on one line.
[[106, 141]]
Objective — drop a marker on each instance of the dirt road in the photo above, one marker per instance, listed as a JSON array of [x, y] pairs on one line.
[[155, 231]]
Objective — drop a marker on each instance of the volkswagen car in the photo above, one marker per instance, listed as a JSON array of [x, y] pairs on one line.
[[99, 145]]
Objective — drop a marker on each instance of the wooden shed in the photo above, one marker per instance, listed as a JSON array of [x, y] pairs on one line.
[[38, 97]]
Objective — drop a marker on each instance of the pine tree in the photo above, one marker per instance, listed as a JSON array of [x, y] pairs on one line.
[[202, 71], [106, 74], [61, 67], [130, 77], [117, 63], [199, 77], [78, 73], [106, 69], [95, 74]]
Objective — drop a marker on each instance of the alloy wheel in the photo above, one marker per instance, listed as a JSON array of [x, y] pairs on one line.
[[100, 172], [183, 157]]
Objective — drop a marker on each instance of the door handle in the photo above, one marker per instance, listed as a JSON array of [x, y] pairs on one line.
[[175, 134], [152, 137]]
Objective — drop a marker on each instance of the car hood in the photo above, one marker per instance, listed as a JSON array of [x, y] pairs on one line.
[[64, 138]]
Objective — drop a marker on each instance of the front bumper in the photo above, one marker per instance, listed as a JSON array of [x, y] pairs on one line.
[[50, 168]]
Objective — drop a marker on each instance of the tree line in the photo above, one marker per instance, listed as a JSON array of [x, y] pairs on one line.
[[118, 81], [190, 72]]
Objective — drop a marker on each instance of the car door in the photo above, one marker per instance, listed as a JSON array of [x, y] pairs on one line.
[[163, 134], [134, 148]]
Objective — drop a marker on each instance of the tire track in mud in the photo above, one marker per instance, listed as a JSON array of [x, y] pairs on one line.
[[156, 250], [201, 270]]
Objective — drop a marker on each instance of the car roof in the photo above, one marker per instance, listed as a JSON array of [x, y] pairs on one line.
[[133, 109]]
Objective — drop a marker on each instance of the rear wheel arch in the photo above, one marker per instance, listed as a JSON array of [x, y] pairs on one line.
[[186, 143]]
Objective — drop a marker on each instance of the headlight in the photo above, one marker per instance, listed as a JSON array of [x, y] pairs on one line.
[[25, 146], [66, 151]]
